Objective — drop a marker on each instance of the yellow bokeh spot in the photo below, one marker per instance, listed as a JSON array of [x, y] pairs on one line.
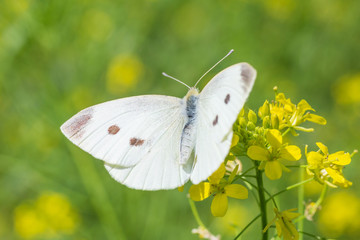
[[281, 9], [340, 215], [236, 218], [96, 25], [124, 73], [17, 7], [346, 91], [50, 215]]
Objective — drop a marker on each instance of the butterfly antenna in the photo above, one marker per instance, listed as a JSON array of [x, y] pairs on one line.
[[230, 52], [166, 75]]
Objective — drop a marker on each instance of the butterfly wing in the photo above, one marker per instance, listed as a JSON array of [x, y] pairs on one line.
[[219, 105], [138, 138]]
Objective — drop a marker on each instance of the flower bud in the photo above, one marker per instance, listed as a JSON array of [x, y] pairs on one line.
[[250, 126], [266, 122], [242, 122], [264, 110], [252, 116], [274, 121]]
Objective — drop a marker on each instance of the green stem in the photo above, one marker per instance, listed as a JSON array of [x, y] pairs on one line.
[[301, 203], [290, 187], [262, 201], [286, 131], [254, 186], [98, 196], [196, 213], [315, 207], [249, 224]]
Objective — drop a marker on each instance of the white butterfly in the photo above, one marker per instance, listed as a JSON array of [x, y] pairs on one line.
[[146, 142]]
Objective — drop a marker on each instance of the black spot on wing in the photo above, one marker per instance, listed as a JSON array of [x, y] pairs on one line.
[[136, 142], [113, 129], [227, 99], [215, 120], [247, 74], [75, 126]]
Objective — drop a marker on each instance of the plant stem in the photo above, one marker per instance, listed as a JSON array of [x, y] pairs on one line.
[[291, 187], [301, 203], [249, 224], [195, 213], [262, 200]]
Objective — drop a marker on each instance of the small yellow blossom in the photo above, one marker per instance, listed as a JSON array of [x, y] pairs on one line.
[[285, 114], [270, 156], [284, 226], [310, 209], [324, 166], [221, 189]]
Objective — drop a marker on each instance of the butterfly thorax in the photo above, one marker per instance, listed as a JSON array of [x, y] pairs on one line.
[[189, 131]]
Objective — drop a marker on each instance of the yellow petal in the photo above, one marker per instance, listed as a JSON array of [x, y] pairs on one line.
[[219, 205], [236, 191], [200, 192], [291, 153], [264, 110], [336, 175], [217, 175], [303, 106], [273, 170], [258, 153], [278, 228], [314, 159], [234, 141], [291, 215], [274, 138], [340, 158], [323, 148], [181, 189], [316, 119]]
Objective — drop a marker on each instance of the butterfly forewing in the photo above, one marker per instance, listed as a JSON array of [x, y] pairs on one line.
[[219, 104], [134, 137]]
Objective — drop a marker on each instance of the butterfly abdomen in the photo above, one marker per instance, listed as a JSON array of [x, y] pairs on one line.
[[189, 132]]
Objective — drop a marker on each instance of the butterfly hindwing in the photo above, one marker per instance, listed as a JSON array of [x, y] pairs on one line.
[[218, 107]]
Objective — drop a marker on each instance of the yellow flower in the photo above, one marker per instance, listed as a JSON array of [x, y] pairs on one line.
[[324, 166], [285, 114], [284, 225], [221, 189], [270, 156]]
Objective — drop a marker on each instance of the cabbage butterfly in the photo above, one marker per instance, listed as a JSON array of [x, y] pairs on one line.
[[146, 142]]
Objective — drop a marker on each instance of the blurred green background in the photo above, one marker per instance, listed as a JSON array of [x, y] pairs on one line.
[[58, 57]]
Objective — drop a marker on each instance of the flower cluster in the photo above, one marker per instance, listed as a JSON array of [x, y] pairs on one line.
[[259, 139], [327, 168]]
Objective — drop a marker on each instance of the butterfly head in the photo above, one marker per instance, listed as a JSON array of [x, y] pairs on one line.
[[192, 92]]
